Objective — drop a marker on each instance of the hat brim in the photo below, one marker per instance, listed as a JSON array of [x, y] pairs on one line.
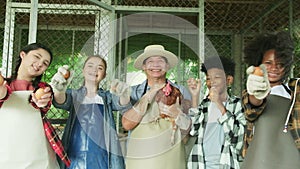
[[172, 59]]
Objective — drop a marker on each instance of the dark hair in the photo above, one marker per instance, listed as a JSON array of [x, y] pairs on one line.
[[221, 62], [27, 49], [282, 44]]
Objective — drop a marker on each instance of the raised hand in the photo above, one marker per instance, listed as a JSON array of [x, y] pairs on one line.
[[59, 81], [257, 85]]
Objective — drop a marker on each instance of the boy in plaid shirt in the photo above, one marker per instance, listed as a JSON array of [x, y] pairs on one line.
[[218, 122]]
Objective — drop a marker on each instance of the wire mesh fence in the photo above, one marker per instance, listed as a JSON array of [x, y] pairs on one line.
[[70, 28], [157, 3], [225, 20], [64, 27], [2, 21]]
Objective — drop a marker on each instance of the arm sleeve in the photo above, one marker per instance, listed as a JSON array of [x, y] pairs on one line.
[[234, 125], [116, 104], [67, 105], [196, 118], [251, 112]]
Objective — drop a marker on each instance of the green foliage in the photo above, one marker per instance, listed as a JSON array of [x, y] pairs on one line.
[[57, 62]]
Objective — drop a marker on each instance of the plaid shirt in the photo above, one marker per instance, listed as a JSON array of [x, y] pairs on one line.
[[233, 123], [50, 133], [294, 121], [251, 114]]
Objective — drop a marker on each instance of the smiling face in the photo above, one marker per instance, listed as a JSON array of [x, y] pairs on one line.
[[274, 67], [34, 63], [94, 70], [155, 67], [217, 80]]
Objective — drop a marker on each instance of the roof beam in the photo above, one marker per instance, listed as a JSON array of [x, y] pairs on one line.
[[103, 5], [262, 15], [155, 9]]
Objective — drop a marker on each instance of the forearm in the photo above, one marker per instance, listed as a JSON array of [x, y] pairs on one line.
[[131, 119], [254, 101], [195, 101], [222, 108], [250, 110], [133, 116]]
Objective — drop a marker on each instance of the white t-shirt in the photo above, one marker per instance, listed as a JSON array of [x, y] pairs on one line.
[[279, 90], [213, 138]]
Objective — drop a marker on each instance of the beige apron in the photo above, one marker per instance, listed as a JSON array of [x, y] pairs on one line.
[[23, 141], [150, 147]]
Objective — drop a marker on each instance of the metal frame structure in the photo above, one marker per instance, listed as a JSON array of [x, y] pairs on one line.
[[111, 38], [34, 8], [116, 10]]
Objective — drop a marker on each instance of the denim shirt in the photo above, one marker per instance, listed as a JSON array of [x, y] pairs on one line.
[[111, 103], [139, 90]]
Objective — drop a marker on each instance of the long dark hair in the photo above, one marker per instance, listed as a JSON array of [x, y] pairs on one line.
[[27, 49]]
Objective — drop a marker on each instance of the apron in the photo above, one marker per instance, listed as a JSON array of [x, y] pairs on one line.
[[149, 145], [23, 141], [271, 148]]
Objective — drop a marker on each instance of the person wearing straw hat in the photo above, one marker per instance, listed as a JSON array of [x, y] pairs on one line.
[[267, 101], [157, 127]]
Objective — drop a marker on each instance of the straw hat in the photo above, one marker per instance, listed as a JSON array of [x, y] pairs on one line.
[[155, 50]]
